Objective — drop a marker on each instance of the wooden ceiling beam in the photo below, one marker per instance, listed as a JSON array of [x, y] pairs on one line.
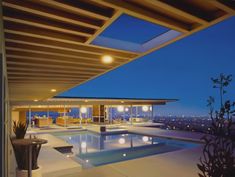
[[106, 24], [92, 49], [21, 67], [25, 78], [227, 6], [56, 52], [23, 18], [78, 7], [147, 15], [32, 31], [54, 66], [46, 71], [55, 61], [36, 74], [177, 11], [52, 13], [31, 54], [44, 82]]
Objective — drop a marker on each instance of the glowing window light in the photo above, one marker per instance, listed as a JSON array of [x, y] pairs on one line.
[[83, 110], [121, 141], [120, 108], [145, 108]]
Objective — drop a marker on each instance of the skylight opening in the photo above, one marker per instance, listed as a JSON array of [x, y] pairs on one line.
[[133, 34]]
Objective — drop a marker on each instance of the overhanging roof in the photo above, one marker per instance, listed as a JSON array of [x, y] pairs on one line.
[[49, 42], [64, 100]]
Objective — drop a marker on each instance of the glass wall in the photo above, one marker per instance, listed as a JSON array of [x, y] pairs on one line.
[[123, 113]]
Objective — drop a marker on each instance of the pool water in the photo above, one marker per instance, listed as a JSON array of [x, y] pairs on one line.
[[95, 150]]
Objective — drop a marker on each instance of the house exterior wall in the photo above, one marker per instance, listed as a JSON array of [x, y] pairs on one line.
[[5, 146]]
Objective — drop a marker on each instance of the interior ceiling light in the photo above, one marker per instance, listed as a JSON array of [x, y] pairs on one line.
[[107, 59], [35, 100], [83, 110], [53, 90], [145, 108], [120, 108]]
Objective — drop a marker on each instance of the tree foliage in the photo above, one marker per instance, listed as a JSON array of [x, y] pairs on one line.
[[218, 152]]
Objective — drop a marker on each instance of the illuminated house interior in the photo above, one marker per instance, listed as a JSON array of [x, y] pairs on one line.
[[78, 111], [48, 47]]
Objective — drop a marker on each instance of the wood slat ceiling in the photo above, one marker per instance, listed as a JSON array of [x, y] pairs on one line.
[[48, 42]]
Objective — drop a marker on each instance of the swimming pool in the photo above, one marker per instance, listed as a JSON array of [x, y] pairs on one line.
[[94, 150]]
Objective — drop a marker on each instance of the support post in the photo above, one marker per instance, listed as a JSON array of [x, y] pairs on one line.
[[80, 115], [111, 116], [136, 112], [30, 118], [2, 119], [64, 117], [152, 116], [131, 116], [48, 115], [4, 106]]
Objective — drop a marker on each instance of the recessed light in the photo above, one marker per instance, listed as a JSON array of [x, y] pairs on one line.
[[35, 100], [53, 90], [107, 59]]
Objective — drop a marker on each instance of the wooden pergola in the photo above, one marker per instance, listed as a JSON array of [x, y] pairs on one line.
[[49, 46]]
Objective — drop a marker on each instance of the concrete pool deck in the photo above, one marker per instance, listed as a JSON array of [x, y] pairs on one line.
[[180, 163], [55, 164]]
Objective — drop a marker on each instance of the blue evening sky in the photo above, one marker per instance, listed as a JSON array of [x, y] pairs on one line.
[[181, 70]]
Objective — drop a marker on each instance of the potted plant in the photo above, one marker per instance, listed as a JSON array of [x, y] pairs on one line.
[[21, 153]]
